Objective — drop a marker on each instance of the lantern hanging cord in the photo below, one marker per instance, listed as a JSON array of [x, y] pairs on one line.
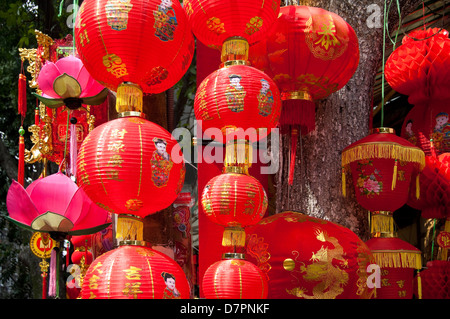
[[382, 65]]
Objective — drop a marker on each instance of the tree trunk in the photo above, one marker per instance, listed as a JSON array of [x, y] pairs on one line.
[[341, 119]]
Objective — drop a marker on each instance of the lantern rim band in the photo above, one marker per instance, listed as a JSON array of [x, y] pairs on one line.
[[234, 62], [131, 114], [379, 130], [382, 212], [233, 256], [296, 95], [134, 243], [236, 169]]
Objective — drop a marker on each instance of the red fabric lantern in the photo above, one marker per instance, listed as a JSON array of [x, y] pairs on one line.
[[131, 166], [420, 67], [81, 241], [397, 260], [382, 166], [78, 255], [122, 41], [309, 258], [134, 272], [310, 53], [235, 99], [234, 278], [435, 280], [215, 21], [233, 199]]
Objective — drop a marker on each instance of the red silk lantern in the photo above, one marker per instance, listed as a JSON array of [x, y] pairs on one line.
[[309, 258], [382, 166], [134, 272], [235, 99], [131, 166], [434, 279], [78, 255], [420, 67], [215, 21], [234, 278], [397, 260], [122, 41]]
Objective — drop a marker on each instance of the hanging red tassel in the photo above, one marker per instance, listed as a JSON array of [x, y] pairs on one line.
[[36, 116], [294, 134], [22, 95], [21, 166], [299, 112]]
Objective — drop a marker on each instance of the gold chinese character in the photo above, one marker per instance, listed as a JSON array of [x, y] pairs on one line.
[[132, 289], [132, 273]]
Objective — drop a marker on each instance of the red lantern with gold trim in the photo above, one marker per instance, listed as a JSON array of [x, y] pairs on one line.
[[122, 41], [233, 277], [237, 98], [304, 257], [131, 166], [434, 279], [134, 271]]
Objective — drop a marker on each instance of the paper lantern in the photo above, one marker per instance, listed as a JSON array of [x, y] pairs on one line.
[[131, 166], [134, 271], [382, 166], [434, 280], [397, 260], [215, 21], [420, 67], [238, 100], [54, 204], [304, 257], [123, 41], [233, 277]]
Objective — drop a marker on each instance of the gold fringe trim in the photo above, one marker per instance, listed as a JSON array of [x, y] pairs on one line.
[[233, 237], [129, 98], [398, 259], [381, 223], [235, 48], [239, 154], [383, 151], [129, 228]]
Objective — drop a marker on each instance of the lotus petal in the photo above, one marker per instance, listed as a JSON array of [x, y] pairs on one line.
[[49, 72], [52, 222], [19, 204], [70, 65], [66, 86]]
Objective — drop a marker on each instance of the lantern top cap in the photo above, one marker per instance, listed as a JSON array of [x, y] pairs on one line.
[[382, 130], [233, 256], [134, 243]]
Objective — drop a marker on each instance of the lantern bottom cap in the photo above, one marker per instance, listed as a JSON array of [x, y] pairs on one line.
[[233, 256], [131, 114], [134, 243]]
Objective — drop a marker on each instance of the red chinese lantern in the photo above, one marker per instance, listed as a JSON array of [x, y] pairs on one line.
[[382, 166], [131, 166], [397, 260], [134, 271], [233, 277], [237, 98], [304, 257], [420, 67], [215, 21], [122, 41], [434, 280]]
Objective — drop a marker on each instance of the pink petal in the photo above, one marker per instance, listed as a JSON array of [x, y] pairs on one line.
[[69, 65], [53, 193], [19, 204], [49, 72], [89, 86], [91, 215]]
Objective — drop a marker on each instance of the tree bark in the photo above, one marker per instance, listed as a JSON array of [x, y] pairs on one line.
[[341, 119]]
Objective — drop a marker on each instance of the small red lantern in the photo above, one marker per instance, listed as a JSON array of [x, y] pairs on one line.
[[237, 98], [131, 166], [420, 67], [215, 21], [233, 277], [122, 41], [434, 280], [397, 260], [304, 257], [134, 271]]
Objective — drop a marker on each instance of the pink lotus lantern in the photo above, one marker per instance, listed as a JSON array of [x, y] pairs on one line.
[[54, 204], [67, 82]]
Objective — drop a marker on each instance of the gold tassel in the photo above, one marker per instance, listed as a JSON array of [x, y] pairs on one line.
[[398, 259], [234, 49], [129, 227], [233, 237], [394, 175], [129, 98], [344, 185], [418, 186], [382, 222], [239, 154], [419, 285]]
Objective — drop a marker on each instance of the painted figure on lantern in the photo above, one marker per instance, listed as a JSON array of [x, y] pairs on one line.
[[170, 292], [235, 94], [165, 21], [410, 136], [117, 13], [441, 133], [265, 98], [161, 163]]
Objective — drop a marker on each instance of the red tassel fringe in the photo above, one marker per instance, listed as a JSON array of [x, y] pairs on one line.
[[298, 112], [294, 135]]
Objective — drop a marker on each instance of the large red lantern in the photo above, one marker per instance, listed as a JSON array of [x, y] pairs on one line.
[[233, 277], [122, 41], [235, 99], [382, 166], [397, 260], [304, 257], [131, 166], [134, 271], [420, 67]]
